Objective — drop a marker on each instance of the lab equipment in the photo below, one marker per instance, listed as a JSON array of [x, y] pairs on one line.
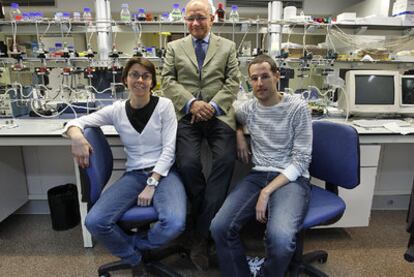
[[87, 14], [141, 15], [175, 14], [220, 13], [234, 14], [15, 13], [125, 15]]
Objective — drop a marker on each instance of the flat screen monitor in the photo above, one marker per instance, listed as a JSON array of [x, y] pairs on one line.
[[407, 94], [371, 92]]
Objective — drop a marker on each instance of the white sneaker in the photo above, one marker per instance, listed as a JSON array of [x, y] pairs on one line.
[[255, 263]]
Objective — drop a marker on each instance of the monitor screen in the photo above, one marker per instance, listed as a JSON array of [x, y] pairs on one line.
[[407, 90], [371, 93], [374, 90]]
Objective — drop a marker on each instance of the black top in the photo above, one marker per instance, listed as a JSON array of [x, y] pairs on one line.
[[140, 117]]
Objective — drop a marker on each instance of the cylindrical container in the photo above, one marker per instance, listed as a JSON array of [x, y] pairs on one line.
[[289, 12], [64, 207]]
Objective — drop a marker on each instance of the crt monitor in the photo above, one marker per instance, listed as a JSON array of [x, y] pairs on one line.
[[371, 92], [407, 94]]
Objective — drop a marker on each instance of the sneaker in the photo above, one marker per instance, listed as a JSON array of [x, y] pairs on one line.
[[255, 264]]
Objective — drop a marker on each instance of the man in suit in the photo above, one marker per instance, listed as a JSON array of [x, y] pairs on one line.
[[201, 76]]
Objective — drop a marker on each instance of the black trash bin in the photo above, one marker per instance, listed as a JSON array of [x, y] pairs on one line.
[[64, 207]]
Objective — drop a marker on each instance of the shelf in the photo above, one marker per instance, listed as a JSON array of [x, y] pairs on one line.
[[52, 27]]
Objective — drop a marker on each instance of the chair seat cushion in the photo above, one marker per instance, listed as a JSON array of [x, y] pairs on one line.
[[323, 206], [140, 214]]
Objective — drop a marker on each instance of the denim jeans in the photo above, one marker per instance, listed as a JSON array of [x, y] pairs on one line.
[[286, 210], [169, 201]]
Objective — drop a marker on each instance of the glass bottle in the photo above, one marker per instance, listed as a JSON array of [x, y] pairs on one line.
[[141, 15], [234, 14], [87, 15], [15, 13], [76, 17], [175, 14], [220, 12], [125, 15]]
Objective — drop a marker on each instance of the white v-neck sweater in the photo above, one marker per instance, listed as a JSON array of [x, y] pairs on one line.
[[154, 147]]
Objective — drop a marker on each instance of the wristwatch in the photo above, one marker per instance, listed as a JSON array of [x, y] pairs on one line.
[[152, 182]]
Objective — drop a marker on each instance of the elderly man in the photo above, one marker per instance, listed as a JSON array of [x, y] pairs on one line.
[[201, 76]]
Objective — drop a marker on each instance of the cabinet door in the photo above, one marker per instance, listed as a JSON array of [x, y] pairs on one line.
[[13, 188]]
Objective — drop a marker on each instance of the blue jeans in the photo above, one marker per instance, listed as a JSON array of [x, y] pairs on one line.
[[169, 201], [286, 210]]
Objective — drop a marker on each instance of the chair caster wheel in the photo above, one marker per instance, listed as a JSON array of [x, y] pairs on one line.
[[105, 274], [184, 255], [322, 260]]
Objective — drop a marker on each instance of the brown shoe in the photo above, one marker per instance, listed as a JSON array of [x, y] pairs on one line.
[[199, 254]]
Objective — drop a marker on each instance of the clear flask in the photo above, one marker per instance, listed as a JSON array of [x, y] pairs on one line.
[[87, 14], [15, 13], [125, 15], [175, 14], [141, 15], [234, 14]]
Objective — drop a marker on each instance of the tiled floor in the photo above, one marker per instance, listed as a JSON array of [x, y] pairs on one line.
[[29, 247]]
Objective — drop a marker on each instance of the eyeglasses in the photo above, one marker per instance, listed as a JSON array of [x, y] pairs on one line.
[[135, 75], [196, 17], [262, 78]]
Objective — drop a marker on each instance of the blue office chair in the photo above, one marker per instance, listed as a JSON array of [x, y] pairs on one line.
[[335, 160], [94, 179]]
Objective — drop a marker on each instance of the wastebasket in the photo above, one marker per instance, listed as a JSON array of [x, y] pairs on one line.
[[64, 207]]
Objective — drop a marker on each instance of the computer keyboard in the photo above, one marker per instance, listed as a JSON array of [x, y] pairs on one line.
[[376, 123]]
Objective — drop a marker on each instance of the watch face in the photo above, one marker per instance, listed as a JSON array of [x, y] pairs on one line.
[[152, 182]]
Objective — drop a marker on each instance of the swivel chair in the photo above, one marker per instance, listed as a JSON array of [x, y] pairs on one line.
[[335, 160], [94, 179]]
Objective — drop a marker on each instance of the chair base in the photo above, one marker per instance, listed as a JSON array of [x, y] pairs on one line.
[[303, 265], [104, 270], [150, 263]]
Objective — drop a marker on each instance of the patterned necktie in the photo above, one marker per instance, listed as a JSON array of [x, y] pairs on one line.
[[200, 53]]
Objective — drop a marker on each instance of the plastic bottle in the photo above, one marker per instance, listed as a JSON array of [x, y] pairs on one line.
[[15, 13], [87, 15], [175, 14], [141, 15], [125, 15], [220, 13], [234, 14]]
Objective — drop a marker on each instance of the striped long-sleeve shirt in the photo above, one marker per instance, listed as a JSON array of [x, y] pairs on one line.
[[280, 135]]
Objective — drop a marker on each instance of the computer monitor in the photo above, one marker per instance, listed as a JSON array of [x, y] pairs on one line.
[[371, 92], [407, 94]]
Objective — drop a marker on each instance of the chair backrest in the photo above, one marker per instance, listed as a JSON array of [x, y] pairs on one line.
[[100, 163], [335, 154]]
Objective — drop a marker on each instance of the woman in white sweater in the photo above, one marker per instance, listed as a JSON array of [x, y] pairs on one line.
[[147, 127]]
